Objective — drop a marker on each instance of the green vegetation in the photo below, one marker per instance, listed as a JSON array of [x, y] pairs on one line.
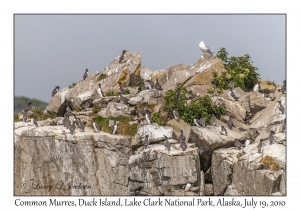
[[111, 94], [101, 77], [269, 82], [124, 128], [39, 114], [96, 110], [157, 119], [240, 69], [178, 99], [126, 92], [73, 85], [269, 163], [16, 118]]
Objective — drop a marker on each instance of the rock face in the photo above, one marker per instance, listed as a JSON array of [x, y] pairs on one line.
[[56, 105], [253, 102], [159, 172]]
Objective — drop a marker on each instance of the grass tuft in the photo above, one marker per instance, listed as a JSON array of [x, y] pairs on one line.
[[101, 77], [269, 163]]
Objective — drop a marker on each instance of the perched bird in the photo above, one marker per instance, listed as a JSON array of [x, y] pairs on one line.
[[148, 118], [176, 115], [247, 142], [281, 107], [34, 122], [271, 137], [232, 94], [213, 120], [181, 136], [187, 187], [141, 112], [87, 104], [183, 145], [122, 99], [283, 88], [167, 143], [147, 110], [114, 129], [231, 85], [134, 112], [72, 128], [192, 95], [259, 146], [202, 121], [257, 87], [204, 48], [157, 85], [238, 144], [80, 125], [69, 111], [151, 84], [27, 108], [55, 90], [25, 117], [99, 90], [122, 90], [146, 141], [275, 88], [122, 56], [86, 74], [223, 131], [96, 126], [66, 120], [230, 123]]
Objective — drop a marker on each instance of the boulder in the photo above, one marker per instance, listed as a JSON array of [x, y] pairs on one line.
[[156, 171], [177, 77], [115, 110], [56, 104], [253, 102], [177, 126], [209, 138], [146, 73]]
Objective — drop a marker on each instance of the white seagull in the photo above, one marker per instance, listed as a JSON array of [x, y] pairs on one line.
[[204, 48]]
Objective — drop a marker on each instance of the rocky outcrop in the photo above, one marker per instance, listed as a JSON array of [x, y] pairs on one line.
[[253, 102]]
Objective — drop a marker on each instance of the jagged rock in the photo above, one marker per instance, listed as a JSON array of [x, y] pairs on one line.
[[243, 171], [253, 102], [203, 71], [146, 73], [237, 125], [208, 175], [156, 133], [55, 106], [102, 102], [162, 75], [265, 88], [199, 90], [115, 110], [152, 96], [50, 156], [177, 126], [208, 139], [159, 172], [177, 77], [232, 108]]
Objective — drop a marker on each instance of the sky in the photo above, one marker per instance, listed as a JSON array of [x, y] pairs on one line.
[[51, 50]]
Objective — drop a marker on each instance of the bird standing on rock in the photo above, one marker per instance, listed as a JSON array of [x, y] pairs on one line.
[[25, 117], [122, 90], [176, 115], [213, 120], [72, 127], [223, 131], [96, 126], [87, 104], [27, 108], [283, 88], [55, 90], [271, 137], [183, 145], [204, 48], [86, 74], [256, 87], [115, 127], [202, 121], [99, 90], [231, 85], [238, 144], [157, 85], [122, 56], [281, 107], [167, 143], [34, 122], [232, 94], [230, 123], [259, 146], [181, 136], [146, 141]]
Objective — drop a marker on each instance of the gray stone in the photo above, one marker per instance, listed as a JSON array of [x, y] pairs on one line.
[[55, 105], [253, 102]]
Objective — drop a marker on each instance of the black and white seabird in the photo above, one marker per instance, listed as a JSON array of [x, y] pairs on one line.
[[80, 124], [230, 123], [204, 48], [99, 90], [192, 95], [150, 83], [167, 143], [147, 110], [259, 146], [238, 144], [146, 141], [231, 85], [27, 108], [114, 129], [66, 120], [183, 145], [283, 88], [34, 122], [141, 112], [223, 131], [86, 74], [181, 136], [122, 99], [157, 85], [25, 116], [72, 127], [176, 115], [122, 56], [187, 187], [257, 87], [148, 118], [213, 120], [271, 137], [232, 94], [96, 126], [87, 104], [55, 90], [281, 107]]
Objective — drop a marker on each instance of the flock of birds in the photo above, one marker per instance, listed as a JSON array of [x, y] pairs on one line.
[[145, 113]]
